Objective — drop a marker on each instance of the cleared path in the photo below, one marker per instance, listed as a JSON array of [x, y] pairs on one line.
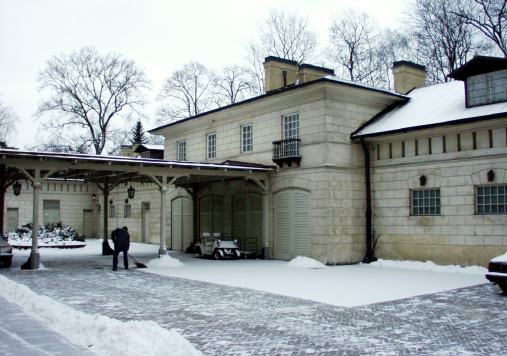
[[221, 320]]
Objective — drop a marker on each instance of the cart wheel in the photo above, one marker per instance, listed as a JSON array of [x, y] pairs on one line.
[[217, 255]]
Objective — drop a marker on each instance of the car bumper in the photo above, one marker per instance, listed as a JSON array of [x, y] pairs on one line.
[[496, 277]]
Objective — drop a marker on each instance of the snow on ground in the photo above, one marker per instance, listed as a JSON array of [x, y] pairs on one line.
[[100, 334], [305, 262], [165, 261], [347, 286]]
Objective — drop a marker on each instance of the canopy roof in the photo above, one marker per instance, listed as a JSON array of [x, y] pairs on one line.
[[100, 169]]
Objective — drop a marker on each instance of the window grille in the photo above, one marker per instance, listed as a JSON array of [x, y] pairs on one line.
[[182, 151], [426, 202], [491, 200], [291, 126], [247, 138], [487, 88], [212, 145]]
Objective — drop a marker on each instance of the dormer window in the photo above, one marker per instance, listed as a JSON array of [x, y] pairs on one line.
[[487, 88]]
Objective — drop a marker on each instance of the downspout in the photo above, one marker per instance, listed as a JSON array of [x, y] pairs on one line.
[[369, 256]]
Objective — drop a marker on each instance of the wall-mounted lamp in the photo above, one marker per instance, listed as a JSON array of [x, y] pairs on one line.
[[422, 180], [490, 175], [111, 202], [131, 192], [17, 188], [126, 201], [94, 197]]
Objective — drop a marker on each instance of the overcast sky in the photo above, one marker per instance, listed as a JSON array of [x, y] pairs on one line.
[[158, 35]]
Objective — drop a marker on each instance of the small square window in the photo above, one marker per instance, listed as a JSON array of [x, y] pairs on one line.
[[246, 138], [425, 202], [491, 200], [128, 211], [211, 144]]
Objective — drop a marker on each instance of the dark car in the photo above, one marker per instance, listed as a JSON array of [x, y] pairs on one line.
[[5, 253], [497, 272]]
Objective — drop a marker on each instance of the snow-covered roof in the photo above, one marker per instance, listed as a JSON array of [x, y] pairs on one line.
[[153, 147], [430, 106]]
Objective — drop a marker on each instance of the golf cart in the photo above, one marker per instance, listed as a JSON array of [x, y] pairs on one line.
[[218, 246]]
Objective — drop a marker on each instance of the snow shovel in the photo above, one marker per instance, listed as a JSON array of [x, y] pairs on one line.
[[138, 264]]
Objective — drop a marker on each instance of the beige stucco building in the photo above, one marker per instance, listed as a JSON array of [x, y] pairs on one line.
[[417, 174]]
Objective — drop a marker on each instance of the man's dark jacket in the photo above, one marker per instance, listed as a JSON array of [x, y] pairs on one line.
[[121, 239]]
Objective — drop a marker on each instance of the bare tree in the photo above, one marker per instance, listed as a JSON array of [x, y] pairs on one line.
[[284, 35], [89, 91], [231, 85], [353, 37], [8, 120], [444, 40], [188, 92], [392, 46], [487, 16]]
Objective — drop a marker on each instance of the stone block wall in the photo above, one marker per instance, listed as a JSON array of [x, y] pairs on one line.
[[456, 164]]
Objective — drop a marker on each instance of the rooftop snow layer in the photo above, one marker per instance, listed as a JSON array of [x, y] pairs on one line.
[[432, 105]]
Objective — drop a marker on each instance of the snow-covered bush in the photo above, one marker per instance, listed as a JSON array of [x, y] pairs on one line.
[[50, 234]]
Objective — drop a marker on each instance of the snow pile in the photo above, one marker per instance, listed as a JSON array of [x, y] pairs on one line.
[[429, 266], [49, 235], [100, 334], [305, 262], [165, 261], [502, 258]]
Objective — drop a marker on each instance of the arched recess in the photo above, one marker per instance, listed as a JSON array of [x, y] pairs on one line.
[[211, 214], [292, 224], [181, 223], [248, 217]]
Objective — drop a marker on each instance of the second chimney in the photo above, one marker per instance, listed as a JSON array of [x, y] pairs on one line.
[[407, 76]]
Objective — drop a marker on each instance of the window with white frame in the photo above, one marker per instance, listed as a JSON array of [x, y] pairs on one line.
[[491, 200], [112, 211], [487, 88], [425, 202], [211, 145], [127, 213], [291, 126], [182, 150], [246, 138]]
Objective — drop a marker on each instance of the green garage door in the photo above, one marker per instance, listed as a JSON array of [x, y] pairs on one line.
[[182, 231], [248, 217], [292, 224], [212, 214]]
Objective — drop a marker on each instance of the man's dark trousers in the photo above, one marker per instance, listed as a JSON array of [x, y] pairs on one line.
[[125, 258]]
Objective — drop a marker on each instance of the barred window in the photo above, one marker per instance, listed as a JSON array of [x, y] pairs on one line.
[[212, 145], [491, 200], [112, 211], [128, 211], [246, 138], [426, 202], [291, 127], [182, 151]]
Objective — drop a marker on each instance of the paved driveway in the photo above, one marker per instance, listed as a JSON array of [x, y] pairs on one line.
[[221, 320]]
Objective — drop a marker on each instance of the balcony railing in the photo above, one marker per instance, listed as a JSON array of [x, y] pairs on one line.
[[286, 151]]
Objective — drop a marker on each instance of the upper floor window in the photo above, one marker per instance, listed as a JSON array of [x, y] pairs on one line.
[[211, 146], [246, 138], [182, 150], [291, 126], [425, 202], [487, 88], [491, 200]]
